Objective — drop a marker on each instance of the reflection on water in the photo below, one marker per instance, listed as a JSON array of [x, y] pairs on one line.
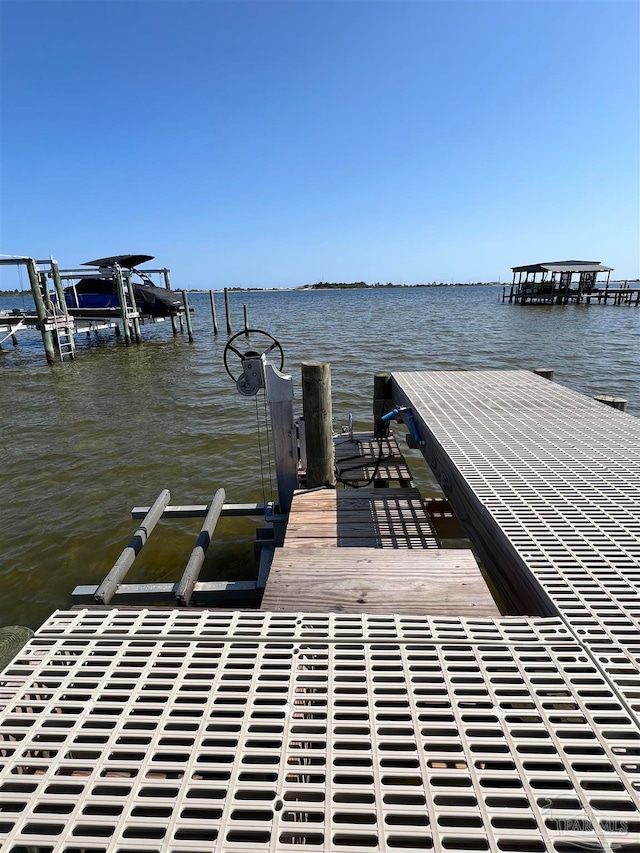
[[85, 441]]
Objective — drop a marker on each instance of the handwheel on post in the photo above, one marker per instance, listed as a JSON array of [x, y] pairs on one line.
[[255, 348]]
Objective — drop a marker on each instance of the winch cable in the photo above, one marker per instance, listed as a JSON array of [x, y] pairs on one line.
[[264, 494], [268, 429]]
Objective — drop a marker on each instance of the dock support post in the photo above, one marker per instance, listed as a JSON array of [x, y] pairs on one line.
[[382, 403], [110, 584], [57, 283], [132, 297], [227, 311], [213, 313], [318, 423], [44, 287], [167, 284], [41, 311], [246, 320], [545, 372], [190, 576], [62, 303], [613, 402], [117, 273], [187, 315]]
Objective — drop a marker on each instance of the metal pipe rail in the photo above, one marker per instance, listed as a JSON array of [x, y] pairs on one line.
[[190, 576], [110, 584]]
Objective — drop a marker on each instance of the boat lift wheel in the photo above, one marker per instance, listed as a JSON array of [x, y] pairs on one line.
[[256, 348]]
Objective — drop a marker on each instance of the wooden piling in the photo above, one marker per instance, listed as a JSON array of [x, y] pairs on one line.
[[227, 311], [44, 287], [117, 274], [613, 402], [167, 284], [62, 303], [246, 320], [47, 338], [382, 402], [213, 313], [57, 283], [109, 585], [317, 410], [187, 315], [190, 576], [545, 372]]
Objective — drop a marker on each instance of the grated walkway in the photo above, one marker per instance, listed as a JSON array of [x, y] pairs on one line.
[[197, 731]]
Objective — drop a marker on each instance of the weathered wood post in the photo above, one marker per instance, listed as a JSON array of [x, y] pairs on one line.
[[62, 302], [213, 313], [41, 311], [187, 315], [613, 402], [227, 310], [132, 297], [44, 287], [246, 320], [382, 403], [117, 273], [545, 372], [318, 421], [57, 284], [167, 284]]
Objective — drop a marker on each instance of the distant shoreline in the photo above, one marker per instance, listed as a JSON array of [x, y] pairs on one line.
[[12, 294]]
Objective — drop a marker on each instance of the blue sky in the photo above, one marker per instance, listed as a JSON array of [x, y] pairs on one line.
[[277, 143]]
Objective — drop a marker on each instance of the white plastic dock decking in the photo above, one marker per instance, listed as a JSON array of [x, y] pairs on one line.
[[547, 484], [198, 731]]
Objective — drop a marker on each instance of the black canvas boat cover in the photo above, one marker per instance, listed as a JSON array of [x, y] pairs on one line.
[[126, 261]]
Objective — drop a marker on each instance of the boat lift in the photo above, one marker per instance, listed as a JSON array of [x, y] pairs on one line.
[[58, 323], [256, 373]]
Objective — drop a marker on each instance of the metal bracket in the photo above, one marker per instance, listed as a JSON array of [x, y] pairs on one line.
[[252, 378]]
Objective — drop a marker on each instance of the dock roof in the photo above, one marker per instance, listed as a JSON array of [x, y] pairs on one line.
[[564, 266]]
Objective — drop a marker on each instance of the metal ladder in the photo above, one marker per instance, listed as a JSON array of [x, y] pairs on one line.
[[63, 335]]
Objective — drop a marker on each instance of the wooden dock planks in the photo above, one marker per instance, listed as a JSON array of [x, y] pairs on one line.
[[363, 458], [371, 551], [367, 580], [348, 518]]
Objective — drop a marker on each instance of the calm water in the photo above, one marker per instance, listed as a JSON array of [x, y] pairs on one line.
[[84, 442]]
